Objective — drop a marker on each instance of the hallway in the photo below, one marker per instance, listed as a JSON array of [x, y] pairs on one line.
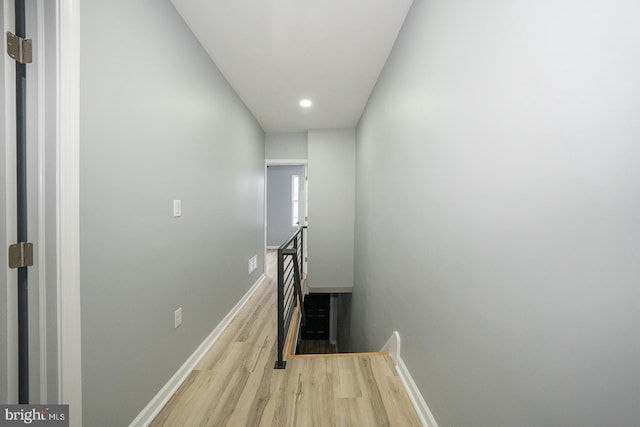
[[235, 383], [478, 201]]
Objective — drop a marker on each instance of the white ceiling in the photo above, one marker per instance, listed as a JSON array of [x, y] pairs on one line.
[[276, 52]]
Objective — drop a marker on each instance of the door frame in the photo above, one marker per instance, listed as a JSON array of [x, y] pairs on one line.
[[9, 290], [59, 53], [59, 302], [284, 162], [68, 206], [41, 201]]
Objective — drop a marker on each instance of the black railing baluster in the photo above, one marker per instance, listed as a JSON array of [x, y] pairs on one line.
[[290, 274], [280, 363]]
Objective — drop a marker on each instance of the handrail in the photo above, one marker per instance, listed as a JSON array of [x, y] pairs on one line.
[[290, 239], [290, 274]]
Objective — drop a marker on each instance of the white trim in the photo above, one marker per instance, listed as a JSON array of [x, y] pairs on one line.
[[393, 347], [42, 213], [419, 404], [264, 220], [285, 162], [421, 407], [305, 249], [156, 404], [295, 200], [68, 218], [273, 247]]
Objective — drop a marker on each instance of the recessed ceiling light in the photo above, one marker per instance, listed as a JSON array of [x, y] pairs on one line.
[[306, 103]]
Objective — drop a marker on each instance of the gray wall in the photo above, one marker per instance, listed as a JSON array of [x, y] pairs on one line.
[[285, 146], [343, 308], [498, 211], [279, 213], [331, 209], [158, 122]]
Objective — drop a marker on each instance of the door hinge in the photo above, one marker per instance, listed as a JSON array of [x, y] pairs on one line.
[[21, 255], [19, 49]]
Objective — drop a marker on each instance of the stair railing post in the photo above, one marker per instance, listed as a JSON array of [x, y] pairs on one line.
[[280, 363]]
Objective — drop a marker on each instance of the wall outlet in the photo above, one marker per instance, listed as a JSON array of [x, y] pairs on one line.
[[177, 317], [253, 263]]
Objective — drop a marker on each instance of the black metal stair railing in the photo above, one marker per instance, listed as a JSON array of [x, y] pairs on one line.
[[290, 274]]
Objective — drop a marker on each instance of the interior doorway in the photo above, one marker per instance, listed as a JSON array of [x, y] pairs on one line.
[[27, 209], [52, 112], [286, 202]]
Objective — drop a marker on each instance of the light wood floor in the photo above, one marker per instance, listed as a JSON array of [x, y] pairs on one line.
[[235, 383]]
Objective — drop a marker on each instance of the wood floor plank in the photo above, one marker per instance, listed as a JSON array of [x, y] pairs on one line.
[[235, 384], [347, 384], [347, 412], [394, 396], [372, 391]]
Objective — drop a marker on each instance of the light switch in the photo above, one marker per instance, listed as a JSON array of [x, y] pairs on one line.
[[177, 208]]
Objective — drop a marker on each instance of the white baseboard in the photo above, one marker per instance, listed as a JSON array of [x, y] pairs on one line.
[[156, 404], [424, 413], [393, 347], [272, 247], [426, 417]]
